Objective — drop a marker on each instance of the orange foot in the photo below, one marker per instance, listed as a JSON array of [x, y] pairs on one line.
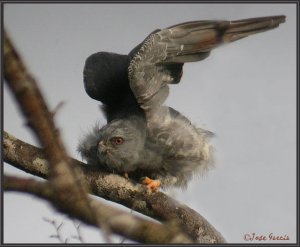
[[151, 184]]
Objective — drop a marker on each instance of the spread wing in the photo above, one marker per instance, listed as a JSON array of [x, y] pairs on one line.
[[159, 60]]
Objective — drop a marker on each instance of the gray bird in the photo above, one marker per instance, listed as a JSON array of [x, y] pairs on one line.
[[143, 137]]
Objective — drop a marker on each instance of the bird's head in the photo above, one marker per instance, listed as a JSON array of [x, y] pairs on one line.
[[120, 144]]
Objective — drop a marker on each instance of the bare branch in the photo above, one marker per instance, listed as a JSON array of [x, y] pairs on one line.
[[117, 189], [118, 221], [65, 180], [40, 119]]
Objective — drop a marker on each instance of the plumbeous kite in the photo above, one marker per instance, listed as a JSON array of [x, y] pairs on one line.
[[143, 137]]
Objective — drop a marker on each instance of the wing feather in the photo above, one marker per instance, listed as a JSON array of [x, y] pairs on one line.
[[148, 72]]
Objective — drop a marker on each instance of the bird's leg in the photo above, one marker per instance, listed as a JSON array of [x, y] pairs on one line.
[[151, 184], [126, 175]]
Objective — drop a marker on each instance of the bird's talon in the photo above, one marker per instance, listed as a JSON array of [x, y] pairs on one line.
[[152, 185], [146, 180]]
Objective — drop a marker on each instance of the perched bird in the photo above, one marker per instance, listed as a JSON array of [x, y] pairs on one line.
[[143, 137]]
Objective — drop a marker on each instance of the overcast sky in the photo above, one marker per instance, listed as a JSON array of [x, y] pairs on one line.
[[245, 92]]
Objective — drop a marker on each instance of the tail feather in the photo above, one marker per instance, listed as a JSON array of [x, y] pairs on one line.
[[243, 28], [192, 41]]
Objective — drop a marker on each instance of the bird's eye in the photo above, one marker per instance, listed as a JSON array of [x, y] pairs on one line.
[[117, 140]]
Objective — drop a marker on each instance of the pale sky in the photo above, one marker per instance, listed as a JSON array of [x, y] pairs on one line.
[[245, 92]]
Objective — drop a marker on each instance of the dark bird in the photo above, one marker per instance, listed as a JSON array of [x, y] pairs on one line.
[[143, 137]]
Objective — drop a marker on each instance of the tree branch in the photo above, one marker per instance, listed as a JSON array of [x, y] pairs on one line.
[[117, 220], [64, 179], [117, 189]]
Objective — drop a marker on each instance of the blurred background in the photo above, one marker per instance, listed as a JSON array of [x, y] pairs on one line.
[[245, 92]]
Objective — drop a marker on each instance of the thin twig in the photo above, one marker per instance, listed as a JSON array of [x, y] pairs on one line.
[[57, 228], [78, 231]]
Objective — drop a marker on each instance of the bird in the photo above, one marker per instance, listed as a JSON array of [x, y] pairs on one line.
[[144, 139]]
